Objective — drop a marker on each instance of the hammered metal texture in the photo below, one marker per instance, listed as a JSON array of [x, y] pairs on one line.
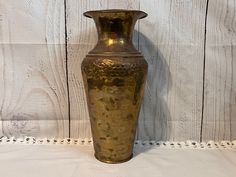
[[114, 84]]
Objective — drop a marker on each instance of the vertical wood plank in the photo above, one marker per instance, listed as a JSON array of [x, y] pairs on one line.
[[219, 121], [81, 39], [172, 41], [33, 91]]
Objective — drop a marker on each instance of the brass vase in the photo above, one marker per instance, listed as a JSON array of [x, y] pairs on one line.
[[114, 75]]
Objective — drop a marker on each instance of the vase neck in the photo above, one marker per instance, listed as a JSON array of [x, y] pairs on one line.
[[114, 31], [115, 28]]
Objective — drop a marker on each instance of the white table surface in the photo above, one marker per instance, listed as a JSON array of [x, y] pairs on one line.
[[20, 160]]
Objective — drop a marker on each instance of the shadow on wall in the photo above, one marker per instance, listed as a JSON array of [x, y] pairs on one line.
[[154, 120]]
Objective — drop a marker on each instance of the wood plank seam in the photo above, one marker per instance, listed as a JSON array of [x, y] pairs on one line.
[[204, 64], [67, 69]]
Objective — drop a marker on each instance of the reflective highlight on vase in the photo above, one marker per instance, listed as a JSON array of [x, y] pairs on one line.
[[114, 75]]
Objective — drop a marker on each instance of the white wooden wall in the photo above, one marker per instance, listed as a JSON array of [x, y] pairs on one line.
[[189, 45]]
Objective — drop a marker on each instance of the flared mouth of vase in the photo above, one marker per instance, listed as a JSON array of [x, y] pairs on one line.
[[115, 13]]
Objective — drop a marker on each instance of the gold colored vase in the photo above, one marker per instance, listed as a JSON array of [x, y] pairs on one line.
[[114, 75]]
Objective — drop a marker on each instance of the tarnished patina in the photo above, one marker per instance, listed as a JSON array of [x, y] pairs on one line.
[[114, 75]]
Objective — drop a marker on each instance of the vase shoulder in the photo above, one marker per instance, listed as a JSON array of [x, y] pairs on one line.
[[114, 66]]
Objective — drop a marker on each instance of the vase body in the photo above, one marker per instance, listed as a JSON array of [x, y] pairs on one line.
[[114, 75]]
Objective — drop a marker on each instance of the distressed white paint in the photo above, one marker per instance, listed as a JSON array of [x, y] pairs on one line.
[[219, 121], [172, 41], [33, 81], [33, 93]]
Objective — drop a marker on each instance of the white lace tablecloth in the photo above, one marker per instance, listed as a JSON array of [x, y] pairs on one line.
[[74, 158]]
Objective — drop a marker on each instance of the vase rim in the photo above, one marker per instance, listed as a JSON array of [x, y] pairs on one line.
[[107, 11]]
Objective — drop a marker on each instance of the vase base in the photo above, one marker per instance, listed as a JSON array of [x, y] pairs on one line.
[[113, 161]]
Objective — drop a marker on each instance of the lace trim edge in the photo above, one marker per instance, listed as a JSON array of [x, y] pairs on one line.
[[88, 141]]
